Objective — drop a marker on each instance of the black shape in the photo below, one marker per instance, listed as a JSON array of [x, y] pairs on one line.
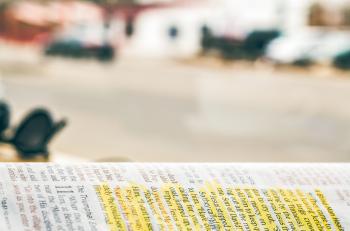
[[129, 28], [4, 116], [342, 61], [36, 130], [173, 32], [256, 42]]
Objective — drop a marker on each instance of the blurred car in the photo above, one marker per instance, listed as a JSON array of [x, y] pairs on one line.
[[308, 47], [84, 41], [251, 47], [342, 60]]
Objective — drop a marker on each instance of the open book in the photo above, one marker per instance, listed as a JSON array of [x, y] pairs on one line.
[[137, 196]]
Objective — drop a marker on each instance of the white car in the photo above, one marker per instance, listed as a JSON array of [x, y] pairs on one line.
[[314, 46]]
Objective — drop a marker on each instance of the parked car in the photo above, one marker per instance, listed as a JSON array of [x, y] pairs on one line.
[[84, 41], [251, 47], [308, 47], [342, 60]]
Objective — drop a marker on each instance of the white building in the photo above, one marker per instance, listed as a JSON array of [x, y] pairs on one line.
[[176, 30]]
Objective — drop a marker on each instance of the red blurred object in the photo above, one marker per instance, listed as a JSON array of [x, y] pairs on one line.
[[30, 22]]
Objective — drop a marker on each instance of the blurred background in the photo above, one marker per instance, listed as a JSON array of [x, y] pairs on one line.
[[183, 80]]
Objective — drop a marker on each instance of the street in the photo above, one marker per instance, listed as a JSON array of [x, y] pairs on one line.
[[171, 110]]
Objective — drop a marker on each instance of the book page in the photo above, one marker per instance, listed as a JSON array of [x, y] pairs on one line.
[[137, 196]]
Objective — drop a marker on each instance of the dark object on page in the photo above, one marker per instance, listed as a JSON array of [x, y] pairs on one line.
[[34, 133], [4, 116]]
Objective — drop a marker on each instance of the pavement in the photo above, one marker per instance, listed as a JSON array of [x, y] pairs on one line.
[[171, 110]]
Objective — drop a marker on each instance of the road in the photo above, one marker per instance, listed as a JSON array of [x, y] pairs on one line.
[[167, 110]]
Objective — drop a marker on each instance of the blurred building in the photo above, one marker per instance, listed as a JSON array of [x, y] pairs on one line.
[[164, 31], [324, 13], [168, 27], [27, 21], [175, 28]]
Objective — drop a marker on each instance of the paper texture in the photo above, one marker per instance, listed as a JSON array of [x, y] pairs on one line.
[[127, 196]]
